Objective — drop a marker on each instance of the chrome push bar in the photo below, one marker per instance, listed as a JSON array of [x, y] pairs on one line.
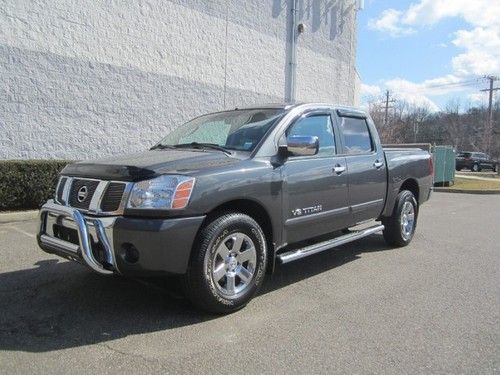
[[82, 224]]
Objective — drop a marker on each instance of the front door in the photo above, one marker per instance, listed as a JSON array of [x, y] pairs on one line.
[[315, 187]]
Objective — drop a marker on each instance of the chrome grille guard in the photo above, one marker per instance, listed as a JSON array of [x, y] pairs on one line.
[[82, 223]]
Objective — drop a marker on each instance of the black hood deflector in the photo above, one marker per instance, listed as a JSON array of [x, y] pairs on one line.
[[148, 164]]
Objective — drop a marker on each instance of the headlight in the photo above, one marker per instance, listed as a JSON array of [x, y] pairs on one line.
[[164, 192]]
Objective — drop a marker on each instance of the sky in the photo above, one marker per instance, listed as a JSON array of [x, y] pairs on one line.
[[429, 52]]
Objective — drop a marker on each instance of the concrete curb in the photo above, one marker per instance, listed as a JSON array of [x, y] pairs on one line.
[[9, 217], [466, 191]]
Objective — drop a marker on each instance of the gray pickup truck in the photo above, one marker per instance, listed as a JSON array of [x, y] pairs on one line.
[[223, 198]]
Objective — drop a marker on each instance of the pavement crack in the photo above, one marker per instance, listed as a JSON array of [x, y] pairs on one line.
[[135, 355]]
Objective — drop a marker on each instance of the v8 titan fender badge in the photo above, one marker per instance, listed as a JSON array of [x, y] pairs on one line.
[[307, 210]]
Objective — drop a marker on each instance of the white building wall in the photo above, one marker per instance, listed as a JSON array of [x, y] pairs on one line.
[[86, 78]]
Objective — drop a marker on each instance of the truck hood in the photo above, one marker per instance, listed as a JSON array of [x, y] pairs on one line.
[[148, 164]]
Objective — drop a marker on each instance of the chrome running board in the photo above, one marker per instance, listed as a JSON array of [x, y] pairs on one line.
[[292, 255]]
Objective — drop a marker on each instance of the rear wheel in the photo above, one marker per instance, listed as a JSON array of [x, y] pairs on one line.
[[400, 227], [228, 264], [475, 168]]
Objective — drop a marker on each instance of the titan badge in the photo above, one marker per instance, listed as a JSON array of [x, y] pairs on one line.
[[307, 210]]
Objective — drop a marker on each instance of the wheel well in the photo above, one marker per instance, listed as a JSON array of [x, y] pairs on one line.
[[412, 186], [256, 212]]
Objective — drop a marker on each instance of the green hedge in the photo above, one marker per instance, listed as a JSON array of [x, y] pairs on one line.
[[27, 184]]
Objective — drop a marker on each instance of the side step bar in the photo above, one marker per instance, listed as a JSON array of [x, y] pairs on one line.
[[292, 255]]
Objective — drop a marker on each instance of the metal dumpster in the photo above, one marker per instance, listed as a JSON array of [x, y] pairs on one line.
[[444, 165]]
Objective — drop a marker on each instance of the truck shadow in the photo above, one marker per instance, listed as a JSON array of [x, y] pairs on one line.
[[59, 304], [301, 269]]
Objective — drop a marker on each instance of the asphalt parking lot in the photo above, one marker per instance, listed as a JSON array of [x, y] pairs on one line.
[[432, 307]]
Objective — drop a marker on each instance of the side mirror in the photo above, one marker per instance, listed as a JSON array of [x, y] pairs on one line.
[[302, 145]]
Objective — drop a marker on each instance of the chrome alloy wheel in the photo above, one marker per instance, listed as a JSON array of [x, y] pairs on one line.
[[407, 220], [233, 265]]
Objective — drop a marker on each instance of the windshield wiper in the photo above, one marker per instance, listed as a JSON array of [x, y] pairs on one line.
[[159, 146], [211, 146]]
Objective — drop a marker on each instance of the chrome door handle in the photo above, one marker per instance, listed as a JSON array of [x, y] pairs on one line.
[[338, 169], [378, 164]]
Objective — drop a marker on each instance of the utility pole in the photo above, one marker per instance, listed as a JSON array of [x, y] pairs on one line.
[[387, 101], [488, 129], [291, 52]]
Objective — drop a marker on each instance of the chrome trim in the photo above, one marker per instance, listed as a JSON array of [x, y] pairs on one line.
[[361, 206], [56, 198], [325, 245], [95, 202], [338, 169], [126, 195], [317, 215], [302, 145], [82, 223], [56, 242], [108, 250], [66, 190]]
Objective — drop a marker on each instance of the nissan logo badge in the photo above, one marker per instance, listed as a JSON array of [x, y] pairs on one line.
[[82, 194]]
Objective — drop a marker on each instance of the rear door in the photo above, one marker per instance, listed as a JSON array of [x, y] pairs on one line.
[[486, 161], [315, 200], [367, 172]]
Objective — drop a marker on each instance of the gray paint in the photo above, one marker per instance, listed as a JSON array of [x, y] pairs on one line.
[[81, 79], [279, 184]]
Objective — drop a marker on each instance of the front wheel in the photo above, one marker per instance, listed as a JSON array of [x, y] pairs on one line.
[[475, 168], [228, 264], [400, 227]]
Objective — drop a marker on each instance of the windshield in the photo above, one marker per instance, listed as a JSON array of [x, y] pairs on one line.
[[238, 130]]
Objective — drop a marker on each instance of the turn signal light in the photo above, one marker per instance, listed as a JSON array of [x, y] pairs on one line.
[[182, 194]]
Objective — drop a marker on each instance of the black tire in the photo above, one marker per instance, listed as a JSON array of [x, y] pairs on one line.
[[393, 232], [199, 284], [495, 168], [475, 168]]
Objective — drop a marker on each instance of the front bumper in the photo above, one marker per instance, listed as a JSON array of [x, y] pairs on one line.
[[105, 244]]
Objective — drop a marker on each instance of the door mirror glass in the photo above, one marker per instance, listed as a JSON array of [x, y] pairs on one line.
[[302, 145]]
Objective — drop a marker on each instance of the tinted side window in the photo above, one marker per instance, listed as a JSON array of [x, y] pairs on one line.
[[317, 126], [357, 138]]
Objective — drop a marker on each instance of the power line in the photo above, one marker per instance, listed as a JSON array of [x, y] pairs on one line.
[[451, 85]]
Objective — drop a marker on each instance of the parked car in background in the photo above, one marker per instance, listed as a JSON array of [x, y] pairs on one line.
[[475, 161]]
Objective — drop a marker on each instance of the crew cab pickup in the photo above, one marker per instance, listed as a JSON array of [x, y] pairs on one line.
[[223, 198]]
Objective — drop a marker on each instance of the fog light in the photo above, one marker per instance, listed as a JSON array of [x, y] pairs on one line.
[[130, 253]]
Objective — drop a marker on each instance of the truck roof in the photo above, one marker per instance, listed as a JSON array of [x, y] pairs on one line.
[[287, 106]]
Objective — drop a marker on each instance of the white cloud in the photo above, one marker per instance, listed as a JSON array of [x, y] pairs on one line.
[[418, 93], [475, 12], [411, 92], [482, 52], [389, 22], [484, 13], [370, 91], [480, 45]]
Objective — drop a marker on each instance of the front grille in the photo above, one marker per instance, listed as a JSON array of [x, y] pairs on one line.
[[112, 197], [60, 189], [77, 193]]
